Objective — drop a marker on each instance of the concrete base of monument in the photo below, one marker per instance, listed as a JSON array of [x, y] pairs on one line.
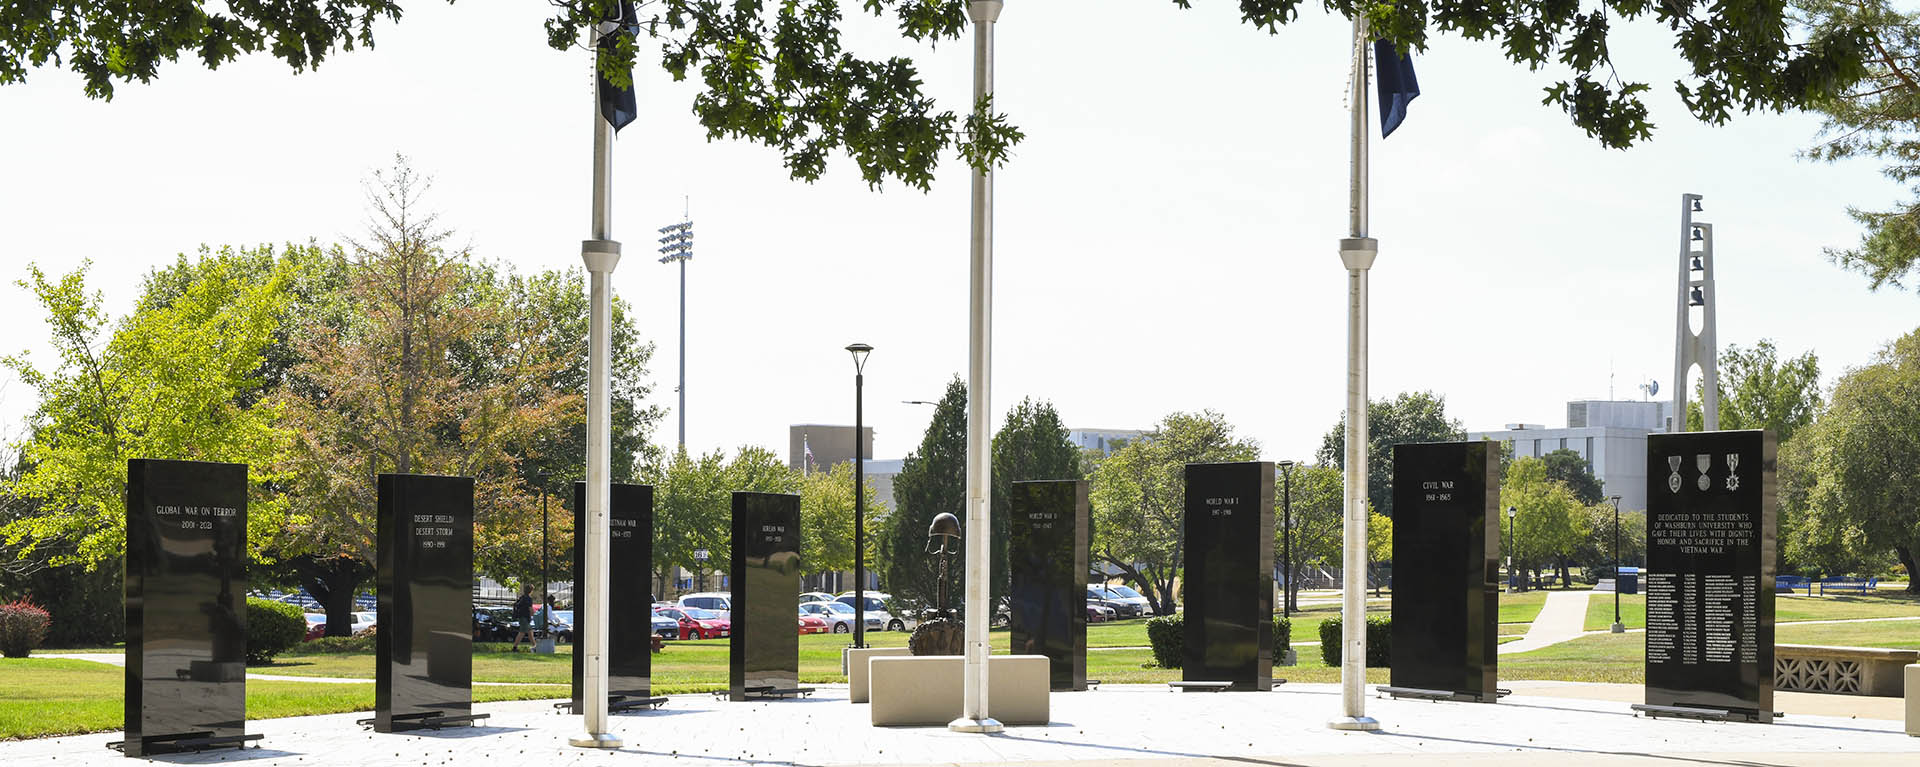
[[1127, 725]]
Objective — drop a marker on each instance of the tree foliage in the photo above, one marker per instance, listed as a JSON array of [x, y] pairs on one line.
[[1758, 390], [933, 479], [1876, 117], [179, 378], [826, 519], [1318, 493], [1032, 444], [1568, 468], [1408, 417], [1552, 524], [1139, 499], [1863, 495]]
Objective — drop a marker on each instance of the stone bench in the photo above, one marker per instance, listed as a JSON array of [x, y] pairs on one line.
[[1845, 670], [926, 690], [854, 665]]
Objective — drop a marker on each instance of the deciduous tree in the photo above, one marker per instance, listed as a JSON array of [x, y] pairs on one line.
[[1758, 390], [1408, 417]]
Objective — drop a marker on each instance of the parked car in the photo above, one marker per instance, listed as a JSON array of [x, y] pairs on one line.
[[1117, 596], [696, 623], [1098, 596], [815, 596], [812, 624], [560, 625], [665, 626], [492, 624], [712, 601], [317, 623], [878, 619], [839, 617], [1099, 613]]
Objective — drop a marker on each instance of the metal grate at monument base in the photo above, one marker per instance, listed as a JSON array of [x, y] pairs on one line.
[[182, 743], [424, 720], [1707, 714], [764, 693], [616, 704], [1423, 694]]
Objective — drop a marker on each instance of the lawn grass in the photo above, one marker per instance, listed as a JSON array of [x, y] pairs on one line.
[[1597, 658], [1786, 609], [1522, 607], [1900, 635], [42, 697]]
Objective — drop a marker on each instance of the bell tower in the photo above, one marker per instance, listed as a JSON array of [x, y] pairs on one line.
[[1692, 347]]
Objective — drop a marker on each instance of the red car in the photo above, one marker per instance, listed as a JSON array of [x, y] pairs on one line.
[[1095, 614], [696, 623], [813, 624]]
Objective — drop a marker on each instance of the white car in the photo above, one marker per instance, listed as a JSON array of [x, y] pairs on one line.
[[837, 615], [878, 618], [815, 596], [715, 601]]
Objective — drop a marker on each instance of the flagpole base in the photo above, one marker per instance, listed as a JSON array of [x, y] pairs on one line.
[[1355, 723], [964, 724], [595, 740]]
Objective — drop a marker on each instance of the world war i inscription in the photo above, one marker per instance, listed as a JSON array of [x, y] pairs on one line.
[[1228, 625], [629, 595], [186, 612], [765, 639], [1047, 559], [423, 649], [1446, 552], [1709, 579]]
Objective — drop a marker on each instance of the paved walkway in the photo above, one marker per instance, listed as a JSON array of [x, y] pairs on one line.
[[1563, 617], [1131, 725]]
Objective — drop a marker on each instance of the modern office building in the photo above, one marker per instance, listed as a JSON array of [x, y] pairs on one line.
[[1103, 440], [828, 443], [1611, 435]]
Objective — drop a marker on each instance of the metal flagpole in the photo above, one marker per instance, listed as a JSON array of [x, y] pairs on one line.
[[973, 715], [601, 255], [1357, 253]]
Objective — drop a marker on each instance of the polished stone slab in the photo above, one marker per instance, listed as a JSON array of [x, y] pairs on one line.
[[186, 604], [1228, 587], [423, 648], [1446, 562], [764, 642], [630, 592], [1047, 550], [1709, 576]]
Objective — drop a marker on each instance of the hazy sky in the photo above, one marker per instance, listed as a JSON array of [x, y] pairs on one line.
[[1167, 235]]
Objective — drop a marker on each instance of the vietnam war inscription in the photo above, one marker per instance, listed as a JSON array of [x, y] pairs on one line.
[[629, 596], [185, 583], [1709, 578]]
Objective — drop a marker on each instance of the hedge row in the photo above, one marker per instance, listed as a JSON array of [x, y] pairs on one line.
[[1167, 635], [272, 628], [1379, 641]]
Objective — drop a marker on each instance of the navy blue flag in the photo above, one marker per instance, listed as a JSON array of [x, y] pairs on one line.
[[1398, 87], [617, 105]]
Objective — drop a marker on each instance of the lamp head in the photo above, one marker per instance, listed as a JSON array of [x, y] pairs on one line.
[[945, 530], [1283, 464], [1512, 511], [860, 352]]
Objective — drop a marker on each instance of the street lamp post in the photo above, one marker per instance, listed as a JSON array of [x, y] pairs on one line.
[[1513, 578], [859, 352], [1618, 627], [676, 245], [1286, 539]]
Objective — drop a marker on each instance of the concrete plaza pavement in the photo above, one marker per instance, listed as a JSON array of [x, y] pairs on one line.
[[1134, 725]]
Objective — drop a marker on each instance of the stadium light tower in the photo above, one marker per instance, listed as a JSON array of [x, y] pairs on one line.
[[676, 244]]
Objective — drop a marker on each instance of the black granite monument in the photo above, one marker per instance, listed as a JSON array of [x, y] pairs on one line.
[[1047, 562], [1446, 562], [1709, 575], [423, 671], [186, 606], [629, 596], [1229, 575], [764, 644]]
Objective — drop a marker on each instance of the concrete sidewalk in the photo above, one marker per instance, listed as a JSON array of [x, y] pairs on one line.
[[1562, 618], [1118, 724]]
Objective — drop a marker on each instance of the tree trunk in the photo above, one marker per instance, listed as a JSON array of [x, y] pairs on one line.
[[331, 581], [1905, 553]]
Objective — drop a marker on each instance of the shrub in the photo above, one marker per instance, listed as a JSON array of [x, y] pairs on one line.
[[272, 628], [22, 627], [1167, 635], [1379, 641]]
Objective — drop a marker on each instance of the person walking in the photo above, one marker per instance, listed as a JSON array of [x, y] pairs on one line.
[[522, 618]]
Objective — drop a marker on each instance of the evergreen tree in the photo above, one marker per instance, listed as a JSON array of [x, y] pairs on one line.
[[932, 480]]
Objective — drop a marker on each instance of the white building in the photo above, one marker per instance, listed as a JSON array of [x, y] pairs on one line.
[[1103, 440], [1611, 435]]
